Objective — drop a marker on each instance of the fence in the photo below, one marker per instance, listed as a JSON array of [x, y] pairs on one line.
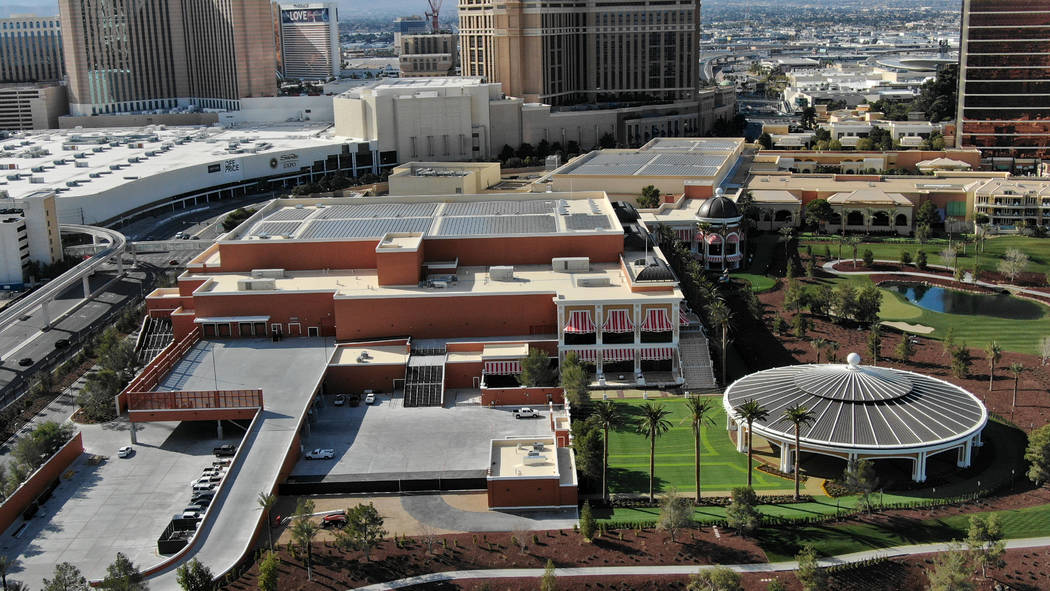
[[194, 399], [156, 369], [40, 481]]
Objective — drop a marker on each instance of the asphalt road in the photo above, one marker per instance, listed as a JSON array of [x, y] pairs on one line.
[[194, 220]]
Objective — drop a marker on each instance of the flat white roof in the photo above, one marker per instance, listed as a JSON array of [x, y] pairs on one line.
[[101, 159]]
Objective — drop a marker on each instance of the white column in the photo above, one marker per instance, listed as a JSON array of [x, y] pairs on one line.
[[599, 319], [918, 473], [741, 445], [965, 451], [46, 313], [787, 454], [87, 286], [977, 439]]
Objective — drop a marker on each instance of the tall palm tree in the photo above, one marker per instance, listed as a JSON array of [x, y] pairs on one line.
[[718, 314], [854, 243], [798, 415], [842, 239], [653, 424], [607, 415], [699, 410], [6, 564], [818, 345], [266, 502], [786, 232], [833, 349], [751, 411], [994, 353], [1016, 369]]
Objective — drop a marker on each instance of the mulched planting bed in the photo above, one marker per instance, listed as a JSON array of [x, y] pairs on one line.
[[335, 569], [749, 582]]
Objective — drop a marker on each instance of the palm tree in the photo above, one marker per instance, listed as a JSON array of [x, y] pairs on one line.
[[266, 502], [994, 353], [653, 424], [786, 232], [818, 345], [6, 564], [798, 415], [1016, 369], [718, 314], [607, 415], [303, 533], [854, 242], [751, 411], [833, 348], [698, 409], [842, 240]]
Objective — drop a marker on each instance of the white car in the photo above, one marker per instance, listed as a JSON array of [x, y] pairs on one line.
[[339, 400], [125, 452], [370, 398], [320, 454], [525, 413]]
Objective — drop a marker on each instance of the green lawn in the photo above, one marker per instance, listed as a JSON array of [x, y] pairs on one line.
[[721, 466], [1037, 249], [784, 543], [1022, 336], [759, 283]]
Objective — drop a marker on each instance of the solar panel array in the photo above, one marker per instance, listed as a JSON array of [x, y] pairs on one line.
[[467, 208], [583, 221], [519, 224], [693, 145], [268, 228], [378, 210], [289, 214], [701, 164], [364, 228]]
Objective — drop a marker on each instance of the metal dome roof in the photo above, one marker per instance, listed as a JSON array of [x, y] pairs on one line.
[[859, 406], [718, 207]]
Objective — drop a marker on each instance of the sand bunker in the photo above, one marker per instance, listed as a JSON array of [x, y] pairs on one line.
[[915, 328]]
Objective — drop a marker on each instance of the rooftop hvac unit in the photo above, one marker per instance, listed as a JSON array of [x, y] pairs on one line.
[[36, 180], [81, 164], [267, 273], [256, 285], [502, 273], [593, 281], [571, 264]]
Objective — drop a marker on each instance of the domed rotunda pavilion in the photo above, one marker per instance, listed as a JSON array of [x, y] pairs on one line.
[[720, 238], [860, 412]]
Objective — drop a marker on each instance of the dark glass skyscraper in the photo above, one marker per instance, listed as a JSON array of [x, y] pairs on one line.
[[1004, 80]]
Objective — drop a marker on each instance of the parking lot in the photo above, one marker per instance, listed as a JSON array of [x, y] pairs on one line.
[[120, 505], [387, 439]]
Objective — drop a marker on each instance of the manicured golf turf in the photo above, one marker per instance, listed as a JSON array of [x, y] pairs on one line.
[[721, 466], [1022, 336], [1037, 249]]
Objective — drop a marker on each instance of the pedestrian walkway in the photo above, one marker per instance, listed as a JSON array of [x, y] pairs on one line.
[[830, 268], [679, 569], [435, 511]]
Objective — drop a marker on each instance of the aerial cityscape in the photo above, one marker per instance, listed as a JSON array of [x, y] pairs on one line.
[[741, 295]]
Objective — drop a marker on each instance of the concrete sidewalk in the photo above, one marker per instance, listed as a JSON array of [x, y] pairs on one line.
[[830, 268], [678, 569]]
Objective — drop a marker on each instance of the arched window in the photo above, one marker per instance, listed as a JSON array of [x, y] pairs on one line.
[[902, 220], [855, 218], [881, 218]]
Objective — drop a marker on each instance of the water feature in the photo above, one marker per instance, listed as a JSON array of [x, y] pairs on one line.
[[950, 301]]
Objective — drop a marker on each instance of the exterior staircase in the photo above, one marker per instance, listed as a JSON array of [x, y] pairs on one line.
[[425, 378], [697, 369], [155, 334]]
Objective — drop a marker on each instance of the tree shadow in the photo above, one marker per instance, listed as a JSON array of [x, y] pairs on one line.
[[622, 481]]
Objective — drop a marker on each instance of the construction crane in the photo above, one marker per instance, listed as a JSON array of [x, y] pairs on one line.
[[435, 8]]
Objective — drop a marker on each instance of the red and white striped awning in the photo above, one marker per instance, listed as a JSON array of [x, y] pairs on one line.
[[579, 322], [656, 353], [713, 238], [587, 355], [503, 368], [615, 355], [683, 318], [734, 237], [656, 321], [685, 234], [618, 321]]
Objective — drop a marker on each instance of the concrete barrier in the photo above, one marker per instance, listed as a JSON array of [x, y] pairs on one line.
[[13, 507]]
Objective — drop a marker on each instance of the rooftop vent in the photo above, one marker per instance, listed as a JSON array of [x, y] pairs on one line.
[[504, 273], [256, 285], [267, 273], [571, 264], [593, 281]]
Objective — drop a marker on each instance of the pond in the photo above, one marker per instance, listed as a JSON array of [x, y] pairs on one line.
[[950, 301]]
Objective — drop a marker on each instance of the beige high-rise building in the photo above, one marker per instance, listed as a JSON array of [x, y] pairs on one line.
[[128, 56], [566, 52], [428, 54], [30, 49]]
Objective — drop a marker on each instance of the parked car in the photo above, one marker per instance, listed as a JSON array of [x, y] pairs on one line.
[[526, 413], [125, 452], [225, 450], [25, 361], [339, 400], [320, 454], [202, 485], [370, 398], [336, 520], [61, 343]]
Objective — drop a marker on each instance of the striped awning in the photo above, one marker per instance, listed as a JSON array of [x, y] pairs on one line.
[[713, 238], [734, 237], [685, 234], [656, 321], [615, 355], [587, 355], [579, 322], [503, 368], [618, 321], [683, 318], [656, 353]]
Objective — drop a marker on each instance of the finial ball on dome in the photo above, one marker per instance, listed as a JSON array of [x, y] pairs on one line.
[[853, 359]]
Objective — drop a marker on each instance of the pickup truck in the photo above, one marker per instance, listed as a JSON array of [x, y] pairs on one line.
[[525, 413], [320, 454], [227, 449]]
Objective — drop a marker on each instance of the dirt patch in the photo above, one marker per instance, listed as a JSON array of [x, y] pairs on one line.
[[335, 569], [749, 582]]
